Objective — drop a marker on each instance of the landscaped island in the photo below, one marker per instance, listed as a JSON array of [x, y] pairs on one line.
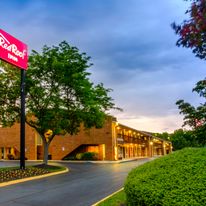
[[14, 173]]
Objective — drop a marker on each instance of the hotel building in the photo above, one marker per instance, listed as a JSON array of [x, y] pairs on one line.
[[114, 141]]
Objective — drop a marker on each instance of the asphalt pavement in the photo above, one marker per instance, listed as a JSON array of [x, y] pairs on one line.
[[85, 184]]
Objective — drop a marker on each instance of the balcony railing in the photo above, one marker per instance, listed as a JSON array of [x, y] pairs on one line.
[[128, 139]]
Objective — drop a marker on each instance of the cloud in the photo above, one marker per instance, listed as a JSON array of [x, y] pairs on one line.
[[132, 47], [163, 124]]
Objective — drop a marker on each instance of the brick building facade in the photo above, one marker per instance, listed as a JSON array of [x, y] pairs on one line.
[[112, 142]]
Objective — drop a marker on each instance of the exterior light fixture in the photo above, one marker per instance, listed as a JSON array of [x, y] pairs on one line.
[[48, 133]]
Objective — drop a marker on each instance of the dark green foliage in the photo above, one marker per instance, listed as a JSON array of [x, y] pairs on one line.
[[59, 94], [163, 135], [183, 138], [69, 158], [177, 179], [9, 95], [192, 34], [10, 157], [83, 156], [89, 156], [195, 117]]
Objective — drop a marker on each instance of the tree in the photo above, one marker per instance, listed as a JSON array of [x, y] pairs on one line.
[[195, 117], [192, 32], [183, 138], [164, 135], [59, 94]]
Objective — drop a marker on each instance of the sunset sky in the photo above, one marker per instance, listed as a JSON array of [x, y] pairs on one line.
[[132, 47]]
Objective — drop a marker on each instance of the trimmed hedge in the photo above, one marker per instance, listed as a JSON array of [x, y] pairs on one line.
[[83, 156], [89, 156], [86, 156], [177, 179]]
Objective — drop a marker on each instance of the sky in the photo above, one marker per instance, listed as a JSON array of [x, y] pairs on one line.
[[131, 44]]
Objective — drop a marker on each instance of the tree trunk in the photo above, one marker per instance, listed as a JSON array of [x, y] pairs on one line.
[[46, 152]]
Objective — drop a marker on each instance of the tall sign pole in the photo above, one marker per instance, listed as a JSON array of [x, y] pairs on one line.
[[22, 127], [15, 52]]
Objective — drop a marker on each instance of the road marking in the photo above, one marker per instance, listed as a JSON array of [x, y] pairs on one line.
[[102, 200]]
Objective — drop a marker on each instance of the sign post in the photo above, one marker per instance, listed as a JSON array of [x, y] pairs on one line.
[[15, 52], [22, 127]]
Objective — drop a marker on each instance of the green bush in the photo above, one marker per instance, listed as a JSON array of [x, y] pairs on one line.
[[89, 156], [177, 179], [69, 158], [79, 156], [83, 156], [10, 157]]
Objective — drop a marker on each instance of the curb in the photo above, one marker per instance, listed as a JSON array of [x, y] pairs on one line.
[[12, 182], [100, 161], [102, 200]]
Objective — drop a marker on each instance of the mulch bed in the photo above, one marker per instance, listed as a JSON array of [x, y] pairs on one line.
[[16, 173]]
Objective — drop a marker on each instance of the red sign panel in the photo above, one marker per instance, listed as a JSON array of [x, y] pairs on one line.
[[13, 51]]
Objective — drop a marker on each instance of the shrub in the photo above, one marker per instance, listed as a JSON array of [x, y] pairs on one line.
[[10, 157], [79, 156], [177, 179], [89, 156], [69, 158], [83, 156]]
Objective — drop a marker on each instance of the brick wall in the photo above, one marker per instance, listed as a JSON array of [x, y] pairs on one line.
[[10, 137], [61, 145]]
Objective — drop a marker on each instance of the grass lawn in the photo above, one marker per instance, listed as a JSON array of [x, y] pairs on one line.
[[118, 199], [14, 173]]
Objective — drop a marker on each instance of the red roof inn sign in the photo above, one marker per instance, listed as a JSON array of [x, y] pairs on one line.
[[12, 50], [15, 52]]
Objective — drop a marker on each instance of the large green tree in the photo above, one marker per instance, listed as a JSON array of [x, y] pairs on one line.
[[59, 94], [195, 117], [183, 138], [192, 34]]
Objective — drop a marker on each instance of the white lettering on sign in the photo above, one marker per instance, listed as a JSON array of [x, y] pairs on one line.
[[5, 44], [12, 57]]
